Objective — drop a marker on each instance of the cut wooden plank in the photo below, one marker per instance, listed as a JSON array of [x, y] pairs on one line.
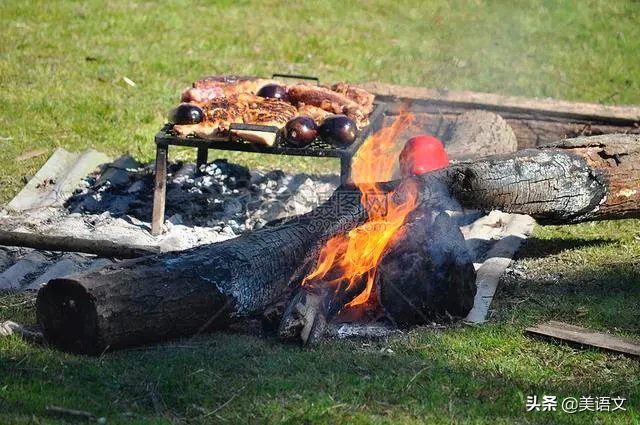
[[583, 336], [489, 101], [57, 179]]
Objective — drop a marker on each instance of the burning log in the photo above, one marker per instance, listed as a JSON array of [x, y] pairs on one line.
[[159, 297], [571, 181], [427, 274]]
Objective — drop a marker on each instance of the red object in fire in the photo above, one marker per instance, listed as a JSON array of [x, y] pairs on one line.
[[422, 154]]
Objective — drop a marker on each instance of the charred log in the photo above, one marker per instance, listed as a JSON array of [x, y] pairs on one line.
[[574, 180], [160, 297], [427, 274], [571, 181]]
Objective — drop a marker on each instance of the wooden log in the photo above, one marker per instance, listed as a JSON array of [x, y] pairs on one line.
[[480, 133], [574, 180], [571, 181], [534, 123], [158, 297], [499, 103], [425, 275], [102, 248]]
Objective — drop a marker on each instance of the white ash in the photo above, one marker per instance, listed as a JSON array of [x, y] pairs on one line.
[[222, 201]]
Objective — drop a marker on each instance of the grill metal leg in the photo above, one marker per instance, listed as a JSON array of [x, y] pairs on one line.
[[345, 169], [160, 190], [203, 155]]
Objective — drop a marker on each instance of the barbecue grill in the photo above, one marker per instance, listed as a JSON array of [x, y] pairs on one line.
[[318, 148]]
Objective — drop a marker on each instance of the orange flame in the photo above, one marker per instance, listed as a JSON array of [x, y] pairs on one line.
[[349, 258]]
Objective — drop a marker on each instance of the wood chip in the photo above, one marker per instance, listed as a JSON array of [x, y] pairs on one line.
[[128, 81], [583, 336]]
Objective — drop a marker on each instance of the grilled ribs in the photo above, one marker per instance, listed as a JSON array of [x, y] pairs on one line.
[[210, 88], [221, 112], [330, 101]]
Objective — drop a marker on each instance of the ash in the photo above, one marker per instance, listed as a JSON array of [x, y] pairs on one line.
[[226, 198]]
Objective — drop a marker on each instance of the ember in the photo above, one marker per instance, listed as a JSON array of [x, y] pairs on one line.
[[348, 262]]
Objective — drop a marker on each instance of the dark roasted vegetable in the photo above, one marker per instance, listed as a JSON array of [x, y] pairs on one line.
[[339, 130], [300, 132], [273, 91], [186, 113]]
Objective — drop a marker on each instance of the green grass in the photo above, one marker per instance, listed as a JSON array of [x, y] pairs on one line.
[[61, 84]]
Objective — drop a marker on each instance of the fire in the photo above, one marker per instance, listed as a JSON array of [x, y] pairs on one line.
[[348, 259]]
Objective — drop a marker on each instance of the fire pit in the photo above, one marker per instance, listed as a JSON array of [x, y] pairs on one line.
[[409, 263]]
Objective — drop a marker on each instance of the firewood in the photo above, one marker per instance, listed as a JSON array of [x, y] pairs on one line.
[[426, 274], [103, 248], [159, 297], [571, 181]]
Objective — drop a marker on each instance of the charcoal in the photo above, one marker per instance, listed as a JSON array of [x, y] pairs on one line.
[[228, 198]]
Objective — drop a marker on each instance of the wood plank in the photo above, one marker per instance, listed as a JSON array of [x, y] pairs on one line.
[[583, 336], [590, 111]]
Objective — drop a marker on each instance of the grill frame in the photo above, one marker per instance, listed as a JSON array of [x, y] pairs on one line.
[[164, 138]]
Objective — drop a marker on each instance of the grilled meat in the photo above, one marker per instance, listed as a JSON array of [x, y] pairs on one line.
[[328, 100], [221, 112], [210, 88], [314, 112], [356, 94]]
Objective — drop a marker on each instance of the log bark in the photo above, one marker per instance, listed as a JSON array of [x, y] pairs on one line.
[[574, 180], [531, 128], [426, 274], [159, 297]]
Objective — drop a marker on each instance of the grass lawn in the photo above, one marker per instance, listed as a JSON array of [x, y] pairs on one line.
[[62, 69]]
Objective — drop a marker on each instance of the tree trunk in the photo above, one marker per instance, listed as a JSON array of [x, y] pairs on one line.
[[159, 297]]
